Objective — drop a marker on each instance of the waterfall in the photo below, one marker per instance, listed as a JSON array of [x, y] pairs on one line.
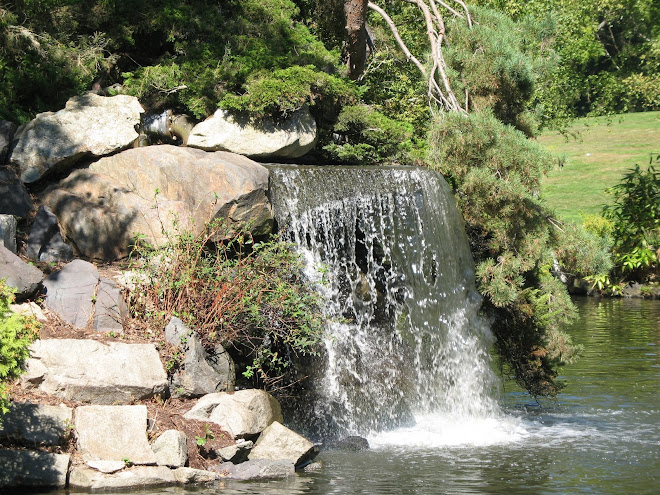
[[387, 249]]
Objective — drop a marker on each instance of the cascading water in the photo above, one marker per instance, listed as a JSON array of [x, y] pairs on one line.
[[386, 247]]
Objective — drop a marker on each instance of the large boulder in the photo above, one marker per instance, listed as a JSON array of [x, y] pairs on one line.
[[7, 131], [14, 198], [277, 442], [157, 191], [36, 423], [24, 468], [264, 139], [113, 433], [89, 125], [245, 413], [25, 278], [88, 370]]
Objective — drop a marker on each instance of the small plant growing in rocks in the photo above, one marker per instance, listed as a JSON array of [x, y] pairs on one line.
[[249, 296]]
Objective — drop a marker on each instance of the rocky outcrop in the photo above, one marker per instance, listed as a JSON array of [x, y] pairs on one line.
[[14, 198], [26, 279], [87, 370], [157, 191], [8, 232], [245, 413], [277, 442], [89, 125], [264, 139], [201, 374]]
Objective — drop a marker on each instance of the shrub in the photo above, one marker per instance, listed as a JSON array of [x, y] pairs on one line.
[[495, 171], [249, 296], [363, 135], [16, 334]]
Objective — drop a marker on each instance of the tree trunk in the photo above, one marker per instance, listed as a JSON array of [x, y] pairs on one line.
[[356, 31]]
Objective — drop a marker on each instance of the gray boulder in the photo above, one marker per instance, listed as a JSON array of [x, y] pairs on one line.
[[236, 453], [171, 449], [114, 433], [88, 370], [25, 278], [45, 242], [8, 232], [71, 291], [7, 131], [24, 468], [157, 191], [245, 413], [136, 478], [14, 198], [277, 442], [37, 423], [265, 139], [188, 476], [261, 469], [201, 374], [89, 125]]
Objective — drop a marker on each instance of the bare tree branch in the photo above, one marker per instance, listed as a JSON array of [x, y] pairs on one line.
[[395, 32]]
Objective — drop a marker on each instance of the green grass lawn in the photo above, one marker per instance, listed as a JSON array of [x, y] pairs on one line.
[[599, 151]]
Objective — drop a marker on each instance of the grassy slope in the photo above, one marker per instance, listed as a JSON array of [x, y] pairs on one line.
[[599, 151]]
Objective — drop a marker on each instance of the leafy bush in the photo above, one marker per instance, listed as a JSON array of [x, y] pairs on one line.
[[251, 297], [287, 90], [364, 136], [16, 334]]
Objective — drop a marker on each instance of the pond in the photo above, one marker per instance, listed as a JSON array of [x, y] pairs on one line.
[[601, 436]]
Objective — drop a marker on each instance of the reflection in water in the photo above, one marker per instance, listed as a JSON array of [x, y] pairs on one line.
[[601, 436]]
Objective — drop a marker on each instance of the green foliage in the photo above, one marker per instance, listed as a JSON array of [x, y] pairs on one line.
[[16, 334], [609, 55], [365, 136], [499, 62], [495, 171], [285, 91], [250, 297]]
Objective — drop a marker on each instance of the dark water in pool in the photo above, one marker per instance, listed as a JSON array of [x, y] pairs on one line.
[[601, 436]]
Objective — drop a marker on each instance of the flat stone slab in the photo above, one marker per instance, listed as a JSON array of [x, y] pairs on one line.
[[259, 469], [190, 476], [71, 291], [113, 433], [25, 468], [84, 478], [37, 423], [14, 198], [243, 413], [91, 371]]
